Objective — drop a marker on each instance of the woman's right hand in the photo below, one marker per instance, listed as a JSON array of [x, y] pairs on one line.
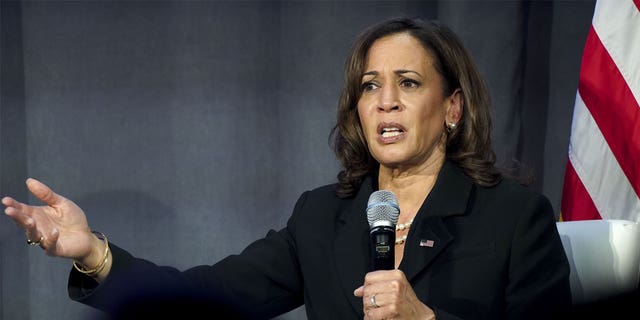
[[60, 227]]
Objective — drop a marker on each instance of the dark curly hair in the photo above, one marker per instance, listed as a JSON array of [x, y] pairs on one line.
[[469, 145]]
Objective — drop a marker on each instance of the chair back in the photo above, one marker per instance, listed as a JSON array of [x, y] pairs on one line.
[[604, 256]]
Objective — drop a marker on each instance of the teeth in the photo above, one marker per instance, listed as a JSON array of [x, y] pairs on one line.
[[390, 132], [387, 134]]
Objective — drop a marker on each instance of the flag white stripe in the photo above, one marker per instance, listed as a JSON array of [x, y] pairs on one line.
[[599, 170], [617, 24]]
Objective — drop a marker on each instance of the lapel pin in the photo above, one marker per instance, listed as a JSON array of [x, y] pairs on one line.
[[426, 243]]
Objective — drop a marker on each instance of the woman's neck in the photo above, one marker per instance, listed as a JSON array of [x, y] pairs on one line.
[[410, 185]]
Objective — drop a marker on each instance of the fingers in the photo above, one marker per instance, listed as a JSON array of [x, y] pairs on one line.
[[18, 212], [381, 309], [384, 281], [25, 222], [382, 293], [34, 219], [31, 229], [359, 292], [384, 275], [49, 242], [376, 298], [32, 233], [44, 193], [11, 203], [34, 237], [389, 295]]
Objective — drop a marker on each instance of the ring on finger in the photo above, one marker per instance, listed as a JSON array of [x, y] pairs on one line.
[[372, 301], [35, 243]]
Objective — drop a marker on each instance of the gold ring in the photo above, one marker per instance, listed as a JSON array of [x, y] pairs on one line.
[[35, 243]]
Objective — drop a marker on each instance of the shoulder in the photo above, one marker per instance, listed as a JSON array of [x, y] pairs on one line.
[[322, 198], [324, 191], [507, 194], [511, 191], [512, 203], [322, 204], [317, 209]]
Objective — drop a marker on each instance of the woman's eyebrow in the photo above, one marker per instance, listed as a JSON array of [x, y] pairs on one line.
[[403, 71], [398, 72], [370, 73]]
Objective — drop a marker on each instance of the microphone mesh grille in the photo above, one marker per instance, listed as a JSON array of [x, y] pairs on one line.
[[382, 206]]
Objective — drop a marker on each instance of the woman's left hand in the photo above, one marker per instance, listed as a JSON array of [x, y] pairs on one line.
[[387, 294]]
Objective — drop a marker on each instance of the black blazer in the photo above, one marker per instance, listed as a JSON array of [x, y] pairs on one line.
[[496, 254]]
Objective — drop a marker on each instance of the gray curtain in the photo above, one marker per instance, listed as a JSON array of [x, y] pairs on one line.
[[187, 129]]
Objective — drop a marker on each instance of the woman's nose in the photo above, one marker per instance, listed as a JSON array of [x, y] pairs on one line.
[[389, 100]]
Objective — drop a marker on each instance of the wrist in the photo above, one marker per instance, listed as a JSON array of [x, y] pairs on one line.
[[96, 262], [96, 253]]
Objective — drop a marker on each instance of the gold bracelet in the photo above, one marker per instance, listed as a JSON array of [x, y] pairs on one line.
[[96, 270]]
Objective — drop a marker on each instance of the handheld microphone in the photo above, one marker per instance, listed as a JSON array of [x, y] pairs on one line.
[[382, 214]]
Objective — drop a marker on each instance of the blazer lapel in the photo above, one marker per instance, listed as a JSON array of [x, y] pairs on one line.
[[426, 243], [351, 244], [428, 236]]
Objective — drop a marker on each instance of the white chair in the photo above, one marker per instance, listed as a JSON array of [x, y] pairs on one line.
[[604, 256]]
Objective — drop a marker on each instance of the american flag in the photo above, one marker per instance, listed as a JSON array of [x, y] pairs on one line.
[[602, 179], [426, 243]]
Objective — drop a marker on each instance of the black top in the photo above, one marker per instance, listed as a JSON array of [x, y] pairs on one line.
[[495, 254]]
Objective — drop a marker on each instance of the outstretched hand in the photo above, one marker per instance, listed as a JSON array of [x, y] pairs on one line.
[[60, 227]]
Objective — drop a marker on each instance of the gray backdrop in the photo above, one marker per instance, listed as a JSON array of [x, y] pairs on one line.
[[188, 129]]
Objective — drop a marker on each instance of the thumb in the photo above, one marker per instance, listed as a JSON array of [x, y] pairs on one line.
[[44, 193]]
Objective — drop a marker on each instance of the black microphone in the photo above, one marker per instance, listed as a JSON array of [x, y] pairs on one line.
[[382, 213]]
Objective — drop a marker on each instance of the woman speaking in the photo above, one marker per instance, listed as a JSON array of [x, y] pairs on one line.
[[414, 119]]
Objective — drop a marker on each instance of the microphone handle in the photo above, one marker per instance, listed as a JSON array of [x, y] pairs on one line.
[[383, 242]]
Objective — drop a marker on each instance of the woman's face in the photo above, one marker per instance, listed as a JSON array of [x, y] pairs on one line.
[[402, 108]]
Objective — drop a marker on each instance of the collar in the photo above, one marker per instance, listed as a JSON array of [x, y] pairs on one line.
[[427, 238]]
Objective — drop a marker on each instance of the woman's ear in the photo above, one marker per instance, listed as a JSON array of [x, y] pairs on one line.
[[455, 103]]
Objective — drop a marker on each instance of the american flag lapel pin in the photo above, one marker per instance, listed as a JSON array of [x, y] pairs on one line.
[[426, 243]]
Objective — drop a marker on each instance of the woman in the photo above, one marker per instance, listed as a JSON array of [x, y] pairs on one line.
[[414, 119]]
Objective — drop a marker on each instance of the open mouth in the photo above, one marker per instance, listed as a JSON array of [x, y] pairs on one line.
[[390, 132]]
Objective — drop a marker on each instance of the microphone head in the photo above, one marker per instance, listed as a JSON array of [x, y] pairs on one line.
[[382, 209]]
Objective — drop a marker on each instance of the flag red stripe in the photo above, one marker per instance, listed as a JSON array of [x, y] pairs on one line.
[[576, 202], [612, 105], [637, 3]]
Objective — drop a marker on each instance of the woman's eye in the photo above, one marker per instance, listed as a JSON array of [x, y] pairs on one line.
[[368, 86], [409, 83]]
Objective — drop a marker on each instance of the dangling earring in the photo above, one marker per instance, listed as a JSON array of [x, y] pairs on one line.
[[451, 126]]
